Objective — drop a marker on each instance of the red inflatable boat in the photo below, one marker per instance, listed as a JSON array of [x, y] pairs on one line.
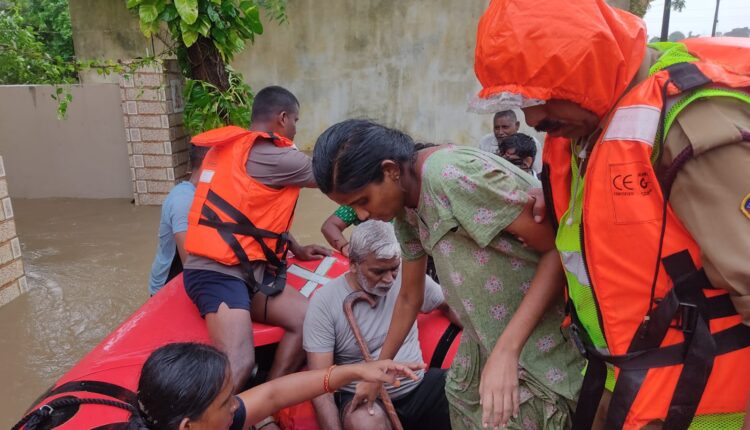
[[111, 370]]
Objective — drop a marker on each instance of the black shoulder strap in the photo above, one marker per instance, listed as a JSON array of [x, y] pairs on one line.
[[687, 76]]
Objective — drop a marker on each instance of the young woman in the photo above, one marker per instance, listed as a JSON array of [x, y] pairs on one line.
[[500, 271], [188, 386]]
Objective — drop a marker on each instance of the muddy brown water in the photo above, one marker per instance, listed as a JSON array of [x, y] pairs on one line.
[[87, 264]]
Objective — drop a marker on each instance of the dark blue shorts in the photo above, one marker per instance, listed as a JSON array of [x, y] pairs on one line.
[[209, 289]]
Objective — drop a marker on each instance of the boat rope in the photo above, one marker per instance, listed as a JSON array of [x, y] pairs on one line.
[[44, 413]]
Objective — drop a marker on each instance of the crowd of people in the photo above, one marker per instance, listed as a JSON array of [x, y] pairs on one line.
[[604, 286]]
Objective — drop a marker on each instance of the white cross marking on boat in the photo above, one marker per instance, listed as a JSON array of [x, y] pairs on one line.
[[313, 278]]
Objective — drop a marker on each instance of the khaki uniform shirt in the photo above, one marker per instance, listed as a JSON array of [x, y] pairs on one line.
[[708, 191]]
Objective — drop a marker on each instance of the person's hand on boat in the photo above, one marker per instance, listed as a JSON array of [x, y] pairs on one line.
[[311, 252], [388, 371], [498, 389], [365, 394]]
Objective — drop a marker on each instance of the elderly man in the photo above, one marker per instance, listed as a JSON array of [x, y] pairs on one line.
[[375, 259]]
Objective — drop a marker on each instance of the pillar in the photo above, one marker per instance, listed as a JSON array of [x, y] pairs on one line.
[[152, 106], [12, 279]]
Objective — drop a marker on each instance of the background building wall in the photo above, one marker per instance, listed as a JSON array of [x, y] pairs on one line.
[[106, 29], [408, 64], [84, 155]]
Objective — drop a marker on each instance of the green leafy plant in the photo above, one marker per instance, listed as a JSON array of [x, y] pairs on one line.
[[50, 19], [24, 58], [36, 48], [207, 107], [206, 35]]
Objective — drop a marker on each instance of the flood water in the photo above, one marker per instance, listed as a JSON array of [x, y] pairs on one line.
[[87, 265]]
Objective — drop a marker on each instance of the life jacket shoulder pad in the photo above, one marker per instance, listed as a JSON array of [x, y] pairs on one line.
[[220, 136]]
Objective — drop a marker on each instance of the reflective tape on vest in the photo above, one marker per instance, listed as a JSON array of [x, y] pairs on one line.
[[207, 176], [639, 122], [573, 262]]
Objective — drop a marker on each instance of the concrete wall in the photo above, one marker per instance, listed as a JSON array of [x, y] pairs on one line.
[[409, 64], [106, 29], [83, 156]]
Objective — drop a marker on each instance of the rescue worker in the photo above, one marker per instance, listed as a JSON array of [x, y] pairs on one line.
[[238, 235], [645, 175]]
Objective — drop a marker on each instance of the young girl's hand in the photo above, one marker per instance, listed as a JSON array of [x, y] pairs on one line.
[[388, 371], [498, 389]]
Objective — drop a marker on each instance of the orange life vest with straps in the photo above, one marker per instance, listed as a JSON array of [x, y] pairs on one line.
[[640, 300], [234, 219]]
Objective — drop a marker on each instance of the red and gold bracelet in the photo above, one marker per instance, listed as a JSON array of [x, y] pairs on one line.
[[327, 380]]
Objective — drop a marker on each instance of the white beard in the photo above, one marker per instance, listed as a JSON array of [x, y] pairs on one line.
[[380, 289]]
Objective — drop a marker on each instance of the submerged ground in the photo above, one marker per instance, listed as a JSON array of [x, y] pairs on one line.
[[87, 264]]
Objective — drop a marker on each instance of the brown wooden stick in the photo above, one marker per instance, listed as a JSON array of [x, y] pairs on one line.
[[349, 312]]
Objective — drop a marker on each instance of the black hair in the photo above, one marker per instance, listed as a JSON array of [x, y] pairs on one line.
[[505, 114], [196, 155], [271, 101], [522, 143], [180, 380], [348, 155]]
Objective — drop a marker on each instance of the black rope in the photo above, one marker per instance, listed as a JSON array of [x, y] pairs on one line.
[[665, 202], [44, 413]]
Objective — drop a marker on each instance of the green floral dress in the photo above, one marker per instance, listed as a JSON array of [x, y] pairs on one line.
[[467, 198]]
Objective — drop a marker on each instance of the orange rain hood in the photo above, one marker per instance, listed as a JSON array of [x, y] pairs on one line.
[[582, 51]]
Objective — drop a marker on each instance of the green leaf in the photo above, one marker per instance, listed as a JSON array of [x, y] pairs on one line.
[[204, 25], [189, 34], [132, 3], [188, 10], [236, 41], [252, 17], [219, 36], [247, 6], [212, 14], [169, 13], [148, 12], [149, 28], [254, 24]]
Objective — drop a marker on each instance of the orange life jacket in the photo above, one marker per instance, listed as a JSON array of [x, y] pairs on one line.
[[234, 219], [678, 346]]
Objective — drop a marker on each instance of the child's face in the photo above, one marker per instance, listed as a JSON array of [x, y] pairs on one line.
[[219, 414], [504, 127]]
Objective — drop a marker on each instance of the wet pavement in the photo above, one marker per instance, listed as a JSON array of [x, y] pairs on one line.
[[87, 264]]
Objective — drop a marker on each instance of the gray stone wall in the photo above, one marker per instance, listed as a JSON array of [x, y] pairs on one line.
[[12, 279]]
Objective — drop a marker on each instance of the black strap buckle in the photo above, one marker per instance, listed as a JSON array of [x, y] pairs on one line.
[[686, 317], [575, 334], [282, 243]]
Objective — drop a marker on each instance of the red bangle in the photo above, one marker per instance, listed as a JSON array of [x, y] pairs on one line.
[[327, 380]]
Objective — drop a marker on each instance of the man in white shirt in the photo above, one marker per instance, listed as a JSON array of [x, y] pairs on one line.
[[505, 123]]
